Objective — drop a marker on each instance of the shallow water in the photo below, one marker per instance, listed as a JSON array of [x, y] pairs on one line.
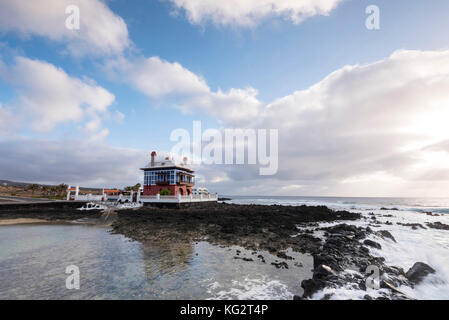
[[33, 261]]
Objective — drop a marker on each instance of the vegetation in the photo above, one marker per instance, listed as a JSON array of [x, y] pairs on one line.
[[54, 192], [165, 192], [133, 188]]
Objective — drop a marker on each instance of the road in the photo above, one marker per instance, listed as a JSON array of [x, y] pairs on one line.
[[9, 199]]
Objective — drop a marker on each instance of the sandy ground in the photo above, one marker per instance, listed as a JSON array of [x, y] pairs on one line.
[[5, 222]]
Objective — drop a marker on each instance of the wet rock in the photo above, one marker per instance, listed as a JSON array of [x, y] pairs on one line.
[[323, 271], [438, 225], [414, 226], [343, 228], [372, 243], [418, 272], [283, 255], [386, 234], [328, 260], [280, 265], [327, 296], [311, 286]]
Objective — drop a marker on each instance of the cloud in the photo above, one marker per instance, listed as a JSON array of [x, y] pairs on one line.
[[249, 13], [374, 129], [48, 96], [361, 127], [101, 31], [363, 119], [160, 79], [72, 162], [7, 120], [157, 78]]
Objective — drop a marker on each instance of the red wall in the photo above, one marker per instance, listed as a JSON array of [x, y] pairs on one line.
[[174, 189]]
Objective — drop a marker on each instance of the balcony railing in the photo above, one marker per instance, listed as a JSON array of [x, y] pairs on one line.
[[179, 198]]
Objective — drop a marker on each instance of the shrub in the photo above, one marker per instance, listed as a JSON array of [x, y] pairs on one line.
[[165, 192]]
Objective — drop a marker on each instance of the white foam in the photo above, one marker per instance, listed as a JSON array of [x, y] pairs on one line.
[[428, 245], [250, 289]]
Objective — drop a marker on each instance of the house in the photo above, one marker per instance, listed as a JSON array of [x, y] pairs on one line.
[[165, 174]]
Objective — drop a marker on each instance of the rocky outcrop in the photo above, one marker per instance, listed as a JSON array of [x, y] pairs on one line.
[[438, 225], [345, 249], [386, 234], [418, 272], [255, 227], [372, 243]]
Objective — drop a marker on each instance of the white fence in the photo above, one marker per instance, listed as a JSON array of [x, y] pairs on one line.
[[89, 197], [179, 199], [140, 198]]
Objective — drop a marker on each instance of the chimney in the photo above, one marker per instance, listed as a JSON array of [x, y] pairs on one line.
[[153, 157], [185, 160]]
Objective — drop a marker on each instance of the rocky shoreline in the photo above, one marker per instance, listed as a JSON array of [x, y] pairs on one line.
[[277, 228], [273, 228], [254, 227]]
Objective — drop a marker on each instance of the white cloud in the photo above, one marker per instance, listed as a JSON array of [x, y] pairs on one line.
[[158, 78], [49, 96], [7, 120], [71, 161], [101, 31], [361, 127], [375, 129], [251, 12]]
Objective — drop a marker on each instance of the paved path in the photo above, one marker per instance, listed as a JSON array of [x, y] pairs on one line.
[[9, 199]]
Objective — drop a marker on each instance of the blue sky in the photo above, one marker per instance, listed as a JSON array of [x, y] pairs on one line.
[[275, 56]]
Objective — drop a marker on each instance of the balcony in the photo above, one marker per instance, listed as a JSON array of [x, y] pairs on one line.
[[185, 183]]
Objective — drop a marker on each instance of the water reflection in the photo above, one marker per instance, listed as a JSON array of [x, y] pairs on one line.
[[33, 259]]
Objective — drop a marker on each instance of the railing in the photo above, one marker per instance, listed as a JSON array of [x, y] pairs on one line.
[[89, 197], [179, 198]]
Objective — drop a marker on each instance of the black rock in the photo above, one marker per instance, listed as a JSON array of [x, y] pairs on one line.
[[283, 255], [280, 265], [438, 225], [311, 286], [386, 234], [418, 272], [372, 243], [323, 271]]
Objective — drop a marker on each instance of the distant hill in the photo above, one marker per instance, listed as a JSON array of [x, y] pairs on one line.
[[13, 184], [9, 183]]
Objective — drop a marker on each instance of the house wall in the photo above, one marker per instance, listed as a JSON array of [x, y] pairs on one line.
[[174, 190]]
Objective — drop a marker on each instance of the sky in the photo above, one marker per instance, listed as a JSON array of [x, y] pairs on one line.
[[358, 111]]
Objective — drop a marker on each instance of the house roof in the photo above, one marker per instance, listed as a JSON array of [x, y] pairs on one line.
[[166, 164]]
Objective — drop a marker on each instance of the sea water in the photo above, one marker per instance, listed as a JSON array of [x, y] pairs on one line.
[[428, 245], [34, 258]]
